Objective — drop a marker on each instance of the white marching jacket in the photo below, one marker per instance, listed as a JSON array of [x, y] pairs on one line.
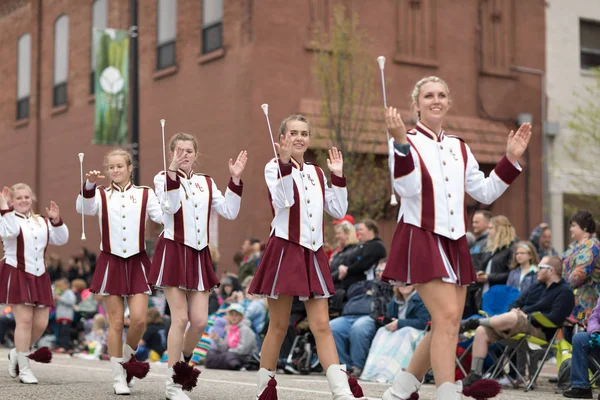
[[25, 238], [432, 174], [308, 195], [191, 198], [122, 214]]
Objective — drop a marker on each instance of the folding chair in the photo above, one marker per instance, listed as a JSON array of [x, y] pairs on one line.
[[513, 344]]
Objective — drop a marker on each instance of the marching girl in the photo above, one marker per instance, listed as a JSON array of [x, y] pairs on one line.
[[182, 265], [122, 265], [24, 280], [432, 172], [294, 262]]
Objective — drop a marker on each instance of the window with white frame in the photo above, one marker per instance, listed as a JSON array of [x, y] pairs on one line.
[[99, 20], [23, 75], [166, 33], [212, 25], [589, 40], [61, 60]]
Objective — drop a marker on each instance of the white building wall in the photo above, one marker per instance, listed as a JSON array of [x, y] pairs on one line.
[[565, 78]]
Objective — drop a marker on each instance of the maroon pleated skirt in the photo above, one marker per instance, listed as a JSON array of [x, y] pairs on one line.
[[419, 256], [20, 287], [119, 276], [291, 269], [177, 265]]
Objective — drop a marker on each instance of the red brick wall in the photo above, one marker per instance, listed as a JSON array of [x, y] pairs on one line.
[[265, 61]]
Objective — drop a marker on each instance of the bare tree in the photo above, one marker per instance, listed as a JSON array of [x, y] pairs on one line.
[[345, 74]]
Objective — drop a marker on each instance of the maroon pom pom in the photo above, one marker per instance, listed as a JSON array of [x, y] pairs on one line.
[[355, 387], [270, 392], [41, 355], [185, 375], [483, 389], [414, 396], [135, 369]]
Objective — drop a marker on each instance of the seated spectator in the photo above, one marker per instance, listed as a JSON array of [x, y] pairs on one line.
[[361, 262], [541, 237], [7, 324], [95, 340], [232, 351], [584, 344], [523, 271], [498, 256], [250, 258], [394, 343], [65, 300], [581, 264], [255, 309], [345, 235], [154, 342], [355, 329], [556, 303], [479, 226], [54, 266]]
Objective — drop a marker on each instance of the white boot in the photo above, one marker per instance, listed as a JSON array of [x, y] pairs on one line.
[[25, 373], [262, 380], [119, 381], [449, 391], [12, 363], [405, 384], [338, 383], [174, 390], [127, 353]]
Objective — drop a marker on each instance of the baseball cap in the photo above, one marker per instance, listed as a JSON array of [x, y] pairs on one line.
[[347, 218], [236, 307]]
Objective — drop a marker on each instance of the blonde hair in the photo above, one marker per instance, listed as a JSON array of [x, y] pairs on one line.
[[417, 90], [349, 230], [504, 235], [99, 323], [295, 117], [525, 244], [79, 285], [183, 137], [121, 153]]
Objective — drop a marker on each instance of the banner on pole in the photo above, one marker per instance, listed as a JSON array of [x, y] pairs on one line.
[[111, 48]]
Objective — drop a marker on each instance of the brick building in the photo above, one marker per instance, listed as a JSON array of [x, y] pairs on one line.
[[207, 69]]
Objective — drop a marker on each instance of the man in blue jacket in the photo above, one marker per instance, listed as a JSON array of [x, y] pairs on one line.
[[555, 302]]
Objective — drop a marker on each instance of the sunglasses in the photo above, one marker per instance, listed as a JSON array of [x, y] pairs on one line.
[[544, 266]]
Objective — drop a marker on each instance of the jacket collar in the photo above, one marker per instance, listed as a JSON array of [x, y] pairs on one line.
[[297, 164], [24, 216], [425, 130], [183, 174], [119, 188]]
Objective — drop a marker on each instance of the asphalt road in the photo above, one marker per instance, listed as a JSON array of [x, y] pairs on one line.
[[70, 378]]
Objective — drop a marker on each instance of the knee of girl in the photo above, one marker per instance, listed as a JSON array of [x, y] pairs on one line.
[[320, 328], [198, 324], [25, 324], [138, 324], [116, 324], [179, 322]]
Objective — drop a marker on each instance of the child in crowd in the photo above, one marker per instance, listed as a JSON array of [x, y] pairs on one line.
[[154, 343], [239, 342], [65, 312]]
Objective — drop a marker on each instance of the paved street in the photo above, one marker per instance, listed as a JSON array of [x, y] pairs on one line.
[[69, 378]]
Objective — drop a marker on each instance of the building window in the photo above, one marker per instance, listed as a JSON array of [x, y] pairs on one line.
[[497, 36], [416, 32], [589, 39], [61, 60], [212, 25], [99, 20], [166, 33], [23, 75]]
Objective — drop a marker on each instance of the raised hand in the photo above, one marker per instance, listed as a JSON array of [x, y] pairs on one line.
[[335, 162], [284, 148], [178, 158], [93, 176], [53, 212], [5, 198], [236, 169], [395, 126], [517, 142]]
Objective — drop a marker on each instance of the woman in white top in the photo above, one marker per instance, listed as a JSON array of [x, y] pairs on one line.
[[122, 265], [182, 264], [24, 280], [432, 172]]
